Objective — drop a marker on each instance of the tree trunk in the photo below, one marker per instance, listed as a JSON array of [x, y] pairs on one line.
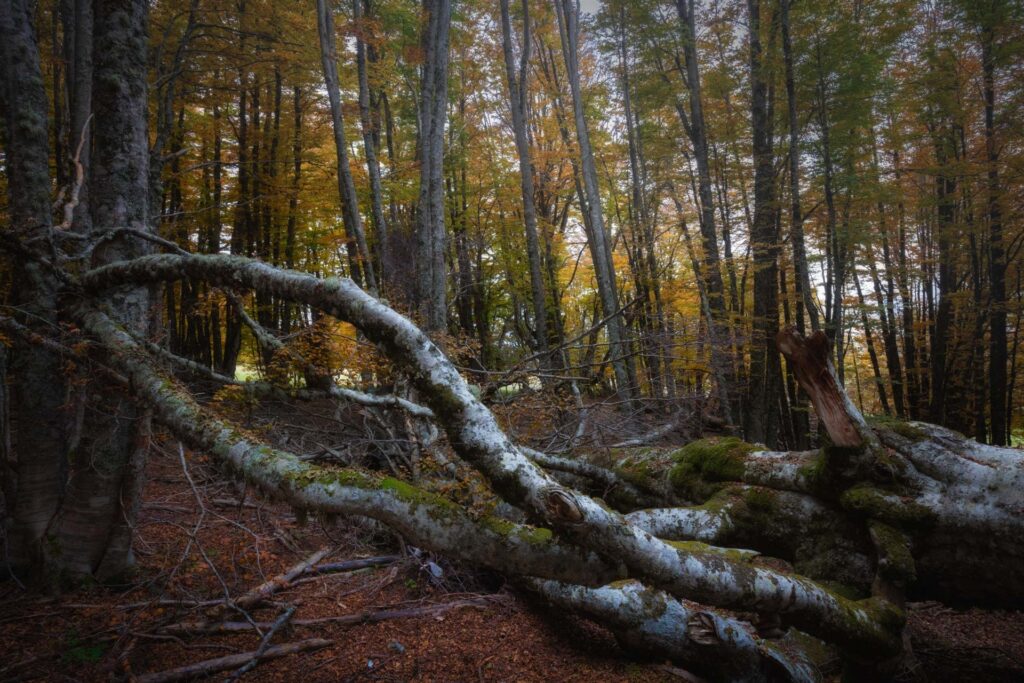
[[359, 258], [872, 353], [802, 280], [518, 103], [997, 255], [621, 357], [431, 290], [762, 418], [293, 200], [34, 479], [945, 196], [94, 526], [380, 225]]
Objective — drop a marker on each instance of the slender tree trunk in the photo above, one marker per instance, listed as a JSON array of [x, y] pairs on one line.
[[380, 224], [519, 103], [836, 239], [872, 353], [431, 290], [887, 295], [621, 357], [643, 228], [765, 369], [358, 252], [945, 193], [293, 198], [910, 356], [802, 281], [997, 255], [233, 326]]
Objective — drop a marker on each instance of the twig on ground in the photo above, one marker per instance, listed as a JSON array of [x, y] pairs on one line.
[[366, 617], [264, 645], [210, 666], [268, 588]]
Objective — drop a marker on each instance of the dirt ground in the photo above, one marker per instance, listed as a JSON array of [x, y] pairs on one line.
[[437, 622]]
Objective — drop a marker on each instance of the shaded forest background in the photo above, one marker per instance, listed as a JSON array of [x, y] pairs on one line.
[[614, 231], [860, 173]]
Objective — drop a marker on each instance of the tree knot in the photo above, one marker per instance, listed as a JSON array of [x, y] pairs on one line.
[[561, 506], [700, 629]]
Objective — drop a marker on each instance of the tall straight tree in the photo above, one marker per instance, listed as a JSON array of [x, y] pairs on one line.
[[991, 17], [32, 483], [518, 102], [359, 253], [431, 290], [765, 369], [380, 224], [600, 249], [796, 229], [696, 129]]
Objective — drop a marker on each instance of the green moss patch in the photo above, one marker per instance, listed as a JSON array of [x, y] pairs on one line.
[[904, 429], [887, 507], [895, 560], [701, 465]]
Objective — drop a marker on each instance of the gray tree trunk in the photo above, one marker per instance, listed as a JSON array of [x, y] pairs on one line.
[[358, 252], [802, 272], [93, 529], [600, 248], [432, 290], [997, 252], [34, 485], [765, 371], [518, 103], [380, 224]]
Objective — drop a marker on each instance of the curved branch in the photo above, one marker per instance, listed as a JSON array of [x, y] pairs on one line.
[[867, 627], [425, 519]]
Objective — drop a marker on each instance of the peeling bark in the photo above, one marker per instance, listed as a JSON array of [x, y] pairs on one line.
[[710, 643]]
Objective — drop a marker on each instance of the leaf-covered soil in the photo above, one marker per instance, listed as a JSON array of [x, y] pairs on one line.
[[212, 540]]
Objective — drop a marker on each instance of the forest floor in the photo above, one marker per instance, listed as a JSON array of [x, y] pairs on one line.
[[413, 617]]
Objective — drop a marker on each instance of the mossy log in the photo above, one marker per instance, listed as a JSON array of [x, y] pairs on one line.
[[855, 525]]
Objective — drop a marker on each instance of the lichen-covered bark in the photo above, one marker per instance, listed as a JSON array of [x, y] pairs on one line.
[[869, 626], [93, 528], [710, 643], [425, 519], [32, 486], [609, 484], [961, 503], [817, 539]]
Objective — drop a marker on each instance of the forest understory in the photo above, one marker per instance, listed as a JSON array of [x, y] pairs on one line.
[[368, 606], [462, 340]]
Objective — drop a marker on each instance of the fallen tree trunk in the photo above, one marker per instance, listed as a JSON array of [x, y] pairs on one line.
[[866, 628], [895, 497], [713, 644]]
